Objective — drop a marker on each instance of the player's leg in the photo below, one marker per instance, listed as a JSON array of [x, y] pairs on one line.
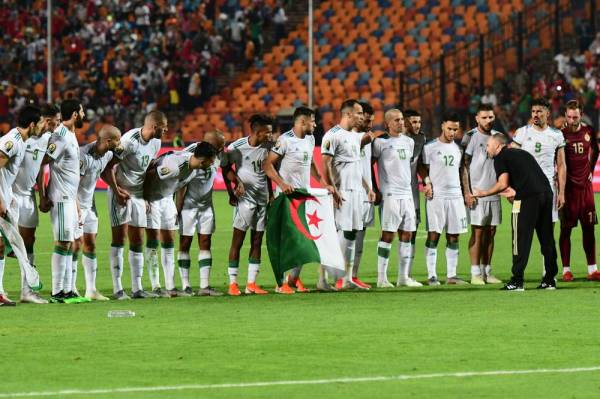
[[384, 248], [205, 265], [456, 222], [61, 256], [151, 250], [568, 220], [254, 263], [349, 221], [4, 300], [524, 216], [488, 254], [368, 216], [187, 228], [167, 259], [475, 244], [119, 218], [135, 232], [237, 240], [435, 220], [545, 232], [452, 254], [76, 247], [407, 225], [588, 221]]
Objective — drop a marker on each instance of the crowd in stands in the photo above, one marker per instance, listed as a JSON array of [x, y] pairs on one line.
[[121, 57]]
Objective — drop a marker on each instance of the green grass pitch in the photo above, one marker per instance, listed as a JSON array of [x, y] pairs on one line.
[[181, 341]]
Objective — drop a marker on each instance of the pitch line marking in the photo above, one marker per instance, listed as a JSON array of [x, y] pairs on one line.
[[341, 380]]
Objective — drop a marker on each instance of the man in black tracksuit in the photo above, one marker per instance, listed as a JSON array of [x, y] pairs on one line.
[[532, 208]]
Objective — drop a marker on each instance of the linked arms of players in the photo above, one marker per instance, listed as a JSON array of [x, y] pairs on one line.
[[108, 175], [423, 171], [465, 180]]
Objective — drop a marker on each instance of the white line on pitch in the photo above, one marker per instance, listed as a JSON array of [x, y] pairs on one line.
[[342, 380]]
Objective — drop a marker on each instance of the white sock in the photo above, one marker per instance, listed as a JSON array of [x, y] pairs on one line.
[[116, 267], [358, 251], [205, 264], [90, 266], [136, 264], [294, 273], [232, 271], [253, 268], [383, 258], [68, 274], [592, 269], [488, 270], [183, 263], [2, 276], [153, 267], [431, 260], [74, 265], [59, 264], [348, 248], [475, 270], [566, 269], [167, 258], [322, 274], [451, 262], [404, 259], [413, 250]]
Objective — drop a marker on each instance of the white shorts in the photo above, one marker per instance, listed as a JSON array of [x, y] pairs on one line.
[[28, 212], [349, 216], [368, 213], [65, 221], [197, 220], [88, 223], [398, 214], [446, 214], [486, 213], [162, 215], [133, 213], [249, 216]]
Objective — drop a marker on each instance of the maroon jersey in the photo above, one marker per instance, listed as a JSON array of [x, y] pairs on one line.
[[578, 154]]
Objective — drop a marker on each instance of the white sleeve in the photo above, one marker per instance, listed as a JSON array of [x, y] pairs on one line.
[[56, 146], [280, 147], [328, 146], [168, 168], [519, 136], [425, 155]]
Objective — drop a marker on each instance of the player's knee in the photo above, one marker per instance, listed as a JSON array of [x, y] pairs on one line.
[[350, 235], [66, 245]]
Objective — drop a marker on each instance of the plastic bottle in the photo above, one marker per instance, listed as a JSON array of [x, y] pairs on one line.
[[120, 313]]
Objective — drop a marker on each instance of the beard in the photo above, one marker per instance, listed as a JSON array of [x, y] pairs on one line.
[[79, 123]]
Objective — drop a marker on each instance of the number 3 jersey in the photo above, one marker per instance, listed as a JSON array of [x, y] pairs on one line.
[[248, 162], [444, 163], [542, 145], [135, 155], [394, 155], [35, 149]]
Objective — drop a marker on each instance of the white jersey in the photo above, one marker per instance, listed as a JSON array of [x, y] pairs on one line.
[[248, 162], [135, 155], [35, 148], [91, 166], [172, 171], [63, 149], [13, 147], [200, 186], [365, 164], [542, 145], [481, 169], [296, 158], [344, 147], [444, 164], [394, 155]]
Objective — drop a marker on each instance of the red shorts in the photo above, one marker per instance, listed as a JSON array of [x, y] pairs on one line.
[[579, 205]]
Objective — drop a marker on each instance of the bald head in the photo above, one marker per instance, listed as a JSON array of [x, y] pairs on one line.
[[109, 132], [394, 121], [216, 139], [109, 138]]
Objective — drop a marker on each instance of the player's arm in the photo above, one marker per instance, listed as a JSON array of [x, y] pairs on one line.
[[273, 175], [501, 184], [45, 202], [149, 181], [314, 172], [374, 182], [423, 171], [108, 175], [370, 193], [561, 169], [327, 178], [369, 137], [179, 198], [593, 156], [3, 206], [465, 180]]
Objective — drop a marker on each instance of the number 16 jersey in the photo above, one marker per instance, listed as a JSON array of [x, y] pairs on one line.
[[444, 164]]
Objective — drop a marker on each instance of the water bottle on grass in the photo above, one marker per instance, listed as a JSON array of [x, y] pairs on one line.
[[112, 314]]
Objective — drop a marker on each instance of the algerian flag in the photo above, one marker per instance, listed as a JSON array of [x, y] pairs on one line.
[[300, 230]]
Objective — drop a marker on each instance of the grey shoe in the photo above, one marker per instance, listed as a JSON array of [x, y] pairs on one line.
[[141, 294], [160, 293], [187, 291], [32, 297], [433, 281], [455, 281], [324, 286], [120, 296], [209, 291]]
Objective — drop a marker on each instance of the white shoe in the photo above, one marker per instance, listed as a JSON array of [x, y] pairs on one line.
[[409, 282], [32, 297], [492, 280], [323, 285], [477, 280], [384, 284], [96, 296]]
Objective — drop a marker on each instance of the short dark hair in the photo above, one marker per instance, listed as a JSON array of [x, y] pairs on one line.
[[409, 113], [367, 109], [49, 110], [204, 150], [258, 120], [540, 102], [67, 107], [28, 115], [156, 116], [501, 138], [349, 103], [485, 107], [303, 111], [573, 104], [451, 117]]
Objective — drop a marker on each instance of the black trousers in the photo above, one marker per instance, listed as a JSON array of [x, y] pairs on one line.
[[529, 214]]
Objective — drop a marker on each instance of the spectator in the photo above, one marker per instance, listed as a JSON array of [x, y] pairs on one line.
[[489, 97]]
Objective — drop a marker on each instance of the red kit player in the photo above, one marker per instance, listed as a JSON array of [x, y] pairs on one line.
[[581, 152]]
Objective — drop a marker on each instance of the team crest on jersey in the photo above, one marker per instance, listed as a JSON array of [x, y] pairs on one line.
[[327, 145], [586, 137], [8, 145], [51, 148], [164, 170], [118, 150], [277, 145]]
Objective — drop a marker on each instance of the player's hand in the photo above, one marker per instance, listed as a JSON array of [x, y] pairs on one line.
[[428, 191], [286, 188], [337, 199], [470, 200], [378, 198], [233, 201], [122, 197], [560, 201], [45, 204], [239, 189], [371, 196], [148, 207], [591, 177]]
